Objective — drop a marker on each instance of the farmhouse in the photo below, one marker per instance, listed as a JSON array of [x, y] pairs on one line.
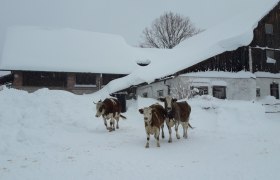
[[247, 66], [67, 59]]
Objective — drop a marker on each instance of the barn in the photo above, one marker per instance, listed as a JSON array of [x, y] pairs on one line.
[[65, 59], [248, 70]]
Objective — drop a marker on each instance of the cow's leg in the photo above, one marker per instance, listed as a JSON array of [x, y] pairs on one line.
[[185, 127], [112, 124], [176, 129], [148, 140], [162, 132], [170, 131], [105, 122], [169, 125], [117, 119], [157, 136]]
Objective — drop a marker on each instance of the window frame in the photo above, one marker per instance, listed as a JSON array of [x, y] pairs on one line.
[[268, 29], [218, 88], [160, 93]]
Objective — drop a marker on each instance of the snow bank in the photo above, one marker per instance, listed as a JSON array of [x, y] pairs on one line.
[[55, 135]]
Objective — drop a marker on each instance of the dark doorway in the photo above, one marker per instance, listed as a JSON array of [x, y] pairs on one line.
[[274, 90], [219, 92]]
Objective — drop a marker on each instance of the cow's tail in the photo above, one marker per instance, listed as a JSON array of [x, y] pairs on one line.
[[190, 126], [123, 117]]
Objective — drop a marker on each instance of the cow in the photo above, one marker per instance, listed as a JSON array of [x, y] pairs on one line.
[[177, 113], [154, 117], [109, 109]]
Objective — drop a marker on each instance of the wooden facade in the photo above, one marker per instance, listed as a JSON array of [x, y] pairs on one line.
[[78, 83], [266, 43]]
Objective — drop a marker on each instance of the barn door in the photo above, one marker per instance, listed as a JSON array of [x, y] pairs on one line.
[[274, 90]]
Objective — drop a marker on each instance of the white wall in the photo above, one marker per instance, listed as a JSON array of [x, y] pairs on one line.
[[236, 88], [152, 89], [241, 89]]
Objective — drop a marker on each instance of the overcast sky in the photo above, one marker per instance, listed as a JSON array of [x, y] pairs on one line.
[[124, 17]]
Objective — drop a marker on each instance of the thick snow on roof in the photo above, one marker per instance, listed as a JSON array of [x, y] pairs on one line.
[[267, 75], [221, 74], [68, 50]]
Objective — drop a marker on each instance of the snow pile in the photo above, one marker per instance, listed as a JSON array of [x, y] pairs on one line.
[[271, 104], [270, 100], [54, 135]]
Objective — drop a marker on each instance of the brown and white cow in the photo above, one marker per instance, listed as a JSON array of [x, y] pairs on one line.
[[109, 109], [154, 117], [177, 113]]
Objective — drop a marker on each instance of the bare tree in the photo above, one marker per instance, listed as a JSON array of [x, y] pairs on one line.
[[182, 89], [167, 31]]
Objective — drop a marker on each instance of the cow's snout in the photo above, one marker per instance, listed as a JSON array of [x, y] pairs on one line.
[[168, 109], [145, 118], [96, 115]]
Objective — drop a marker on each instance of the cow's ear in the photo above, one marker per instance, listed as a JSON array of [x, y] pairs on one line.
[[174, 100], [141, 111], [162, 99]]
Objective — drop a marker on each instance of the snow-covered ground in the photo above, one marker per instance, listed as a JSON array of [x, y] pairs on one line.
[[55, 135]]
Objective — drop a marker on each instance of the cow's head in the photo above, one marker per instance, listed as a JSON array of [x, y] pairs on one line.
[[148, 113], [168, 103], [100, 108]]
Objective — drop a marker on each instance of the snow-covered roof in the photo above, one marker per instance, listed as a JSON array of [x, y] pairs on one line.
[[76, 51], [267, 75], [221, 74], [67, 50]]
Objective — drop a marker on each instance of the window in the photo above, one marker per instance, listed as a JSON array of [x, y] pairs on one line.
[[85, 79], [145, 94], [160, 93], [270, 57], [219, 92], [268, 28], [258, 92], [274, 90], [202, 90], [270, 53]]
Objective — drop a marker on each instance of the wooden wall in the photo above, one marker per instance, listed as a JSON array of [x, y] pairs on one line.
[[33, 80], [238, 60], [232, 61]]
